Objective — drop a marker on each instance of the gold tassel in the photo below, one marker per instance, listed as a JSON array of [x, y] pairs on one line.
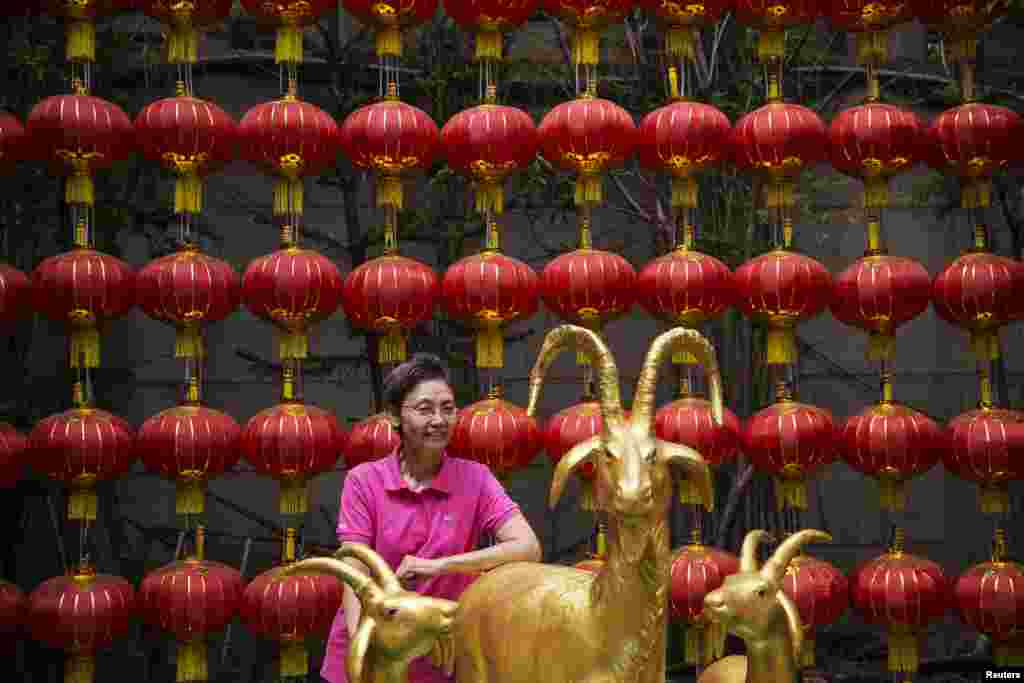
[[391, 348], [976, 194], [1009, 653], [188, 194], [288, 196], [684, 192], [85, 342], [680, 41], [902, 649], [288, 49], [188, 341], [81, 43], [963, 49], [807, 653], [79, 669], [781, 194], [781, 343], [490, 347], [985, 344], [489, 45], [892, 494], [189, 496], [694, 643], [876, 192], [872, 47], [183, 45], [81, 504], [389, 191], [294, 659], [881, 346], [389, 41], [684, 358], [294, 498], [293, 345], [771, 45], [689, 494], [490, 195], [589, 189], [79, 189], [587, 495], [994, 499], [192, 661], [585, 46], [791, 493]]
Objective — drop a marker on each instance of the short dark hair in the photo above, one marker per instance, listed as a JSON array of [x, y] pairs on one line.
[[422, 367]]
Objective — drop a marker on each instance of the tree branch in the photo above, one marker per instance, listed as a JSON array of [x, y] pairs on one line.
[[739, 486], [909, 75]]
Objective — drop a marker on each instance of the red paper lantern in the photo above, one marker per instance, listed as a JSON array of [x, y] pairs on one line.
[[821, 595], [293, 289], [987, 448], [772, 18], [780, 140], [13, 608], [496, 433], [571, 426], [187, 289], [388, 295], [81, 614], [682, 139], [292, 442], [488, 143], [79, 134], [588, 286], [587, 136], [393, 139], [685, 287], [587, 18], [489, 290], [13, 451], [370, 439], [83, 288], [289, 609], [878, 293], [488, 20], [184, 19], [290, 17], [189, 137], [388, 18], [80, 447], [697, 570], [189, 444], [990, 599], [961, 20], [15, 295], [680, 21], [781, 289], [903, 592], [191, 599], [688, 421], [12, 140], [792, 441]]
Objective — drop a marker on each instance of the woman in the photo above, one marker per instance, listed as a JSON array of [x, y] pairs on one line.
[[423, 511]]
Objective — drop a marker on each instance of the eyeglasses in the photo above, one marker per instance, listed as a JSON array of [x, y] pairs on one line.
[[426, 411]]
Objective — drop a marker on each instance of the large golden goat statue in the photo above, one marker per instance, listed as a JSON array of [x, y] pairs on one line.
[[526, 622]]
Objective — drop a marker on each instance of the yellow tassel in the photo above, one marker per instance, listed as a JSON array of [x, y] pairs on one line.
[[976, 194], [689, 494], [963, 49], [389, 191], [881, 346], [790, 493], [85, 347], [189, 496], [81, 43], [490, 347], [183, 45], [293, 345], [680, 41], [392, 347], [294, 499], [876, 192], [288, 49], [589, 189], [294, 659], [288, 196], [781, 342], [985, 344], [587, 495], [902, 650], [892, 494], [771, 45], [1009, 653], [489, 45], [188, 194], [82, 504], [79, 189], [79, 669], [585, 46], [389, 41], [684, 192], [807, 653], [192, 661], [684, 358], [694, 643], [780, 194], [994, 499], [490, 195], [872, 47], [188, 342]]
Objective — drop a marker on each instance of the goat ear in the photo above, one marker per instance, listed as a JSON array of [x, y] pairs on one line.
[[796, 627], [695, 467], [358, 648], [568, 462]]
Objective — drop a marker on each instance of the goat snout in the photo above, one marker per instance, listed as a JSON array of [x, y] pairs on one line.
[[634, 500], [714, 601]]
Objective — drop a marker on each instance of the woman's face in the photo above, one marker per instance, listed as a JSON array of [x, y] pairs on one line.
[[427, 417]]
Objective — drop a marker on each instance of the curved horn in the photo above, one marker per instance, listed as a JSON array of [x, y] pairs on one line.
[[564, 337], [796, 627], [567, 463], [379, 569], [665, 344], [748, 553], [695, 466], [328, 565], [775, 566], [357, 649]]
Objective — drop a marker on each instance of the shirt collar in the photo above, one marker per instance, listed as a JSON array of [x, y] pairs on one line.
[[395, 482]]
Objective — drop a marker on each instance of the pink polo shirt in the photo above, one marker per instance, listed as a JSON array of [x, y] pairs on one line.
[[463, 503]]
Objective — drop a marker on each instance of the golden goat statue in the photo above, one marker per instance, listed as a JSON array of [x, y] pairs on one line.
[[526, 622], [751, 605], [395, 625]]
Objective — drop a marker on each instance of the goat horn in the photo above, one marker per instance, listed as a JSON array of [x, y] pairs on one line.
[[355, 663], [561, 338], [695, 466], [748, 553], [793, 623], [328, 565], [379, 569], [567, 463], [775, 566], [676, 339]]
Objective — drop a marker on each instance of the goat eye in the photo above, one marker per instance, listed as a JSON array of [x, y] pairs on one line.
[[392, 612], [761, 592]]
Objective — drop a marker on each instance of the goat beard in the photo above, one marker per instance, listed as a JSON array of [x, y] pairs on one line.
[[639, 547]]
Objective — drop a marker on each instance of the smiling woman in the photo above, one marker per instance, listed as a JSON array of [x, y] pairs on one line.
[[424, 511]]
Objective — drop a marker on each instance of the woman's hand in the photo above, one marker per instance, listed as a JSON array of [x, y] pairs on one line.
[[414, 568]]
